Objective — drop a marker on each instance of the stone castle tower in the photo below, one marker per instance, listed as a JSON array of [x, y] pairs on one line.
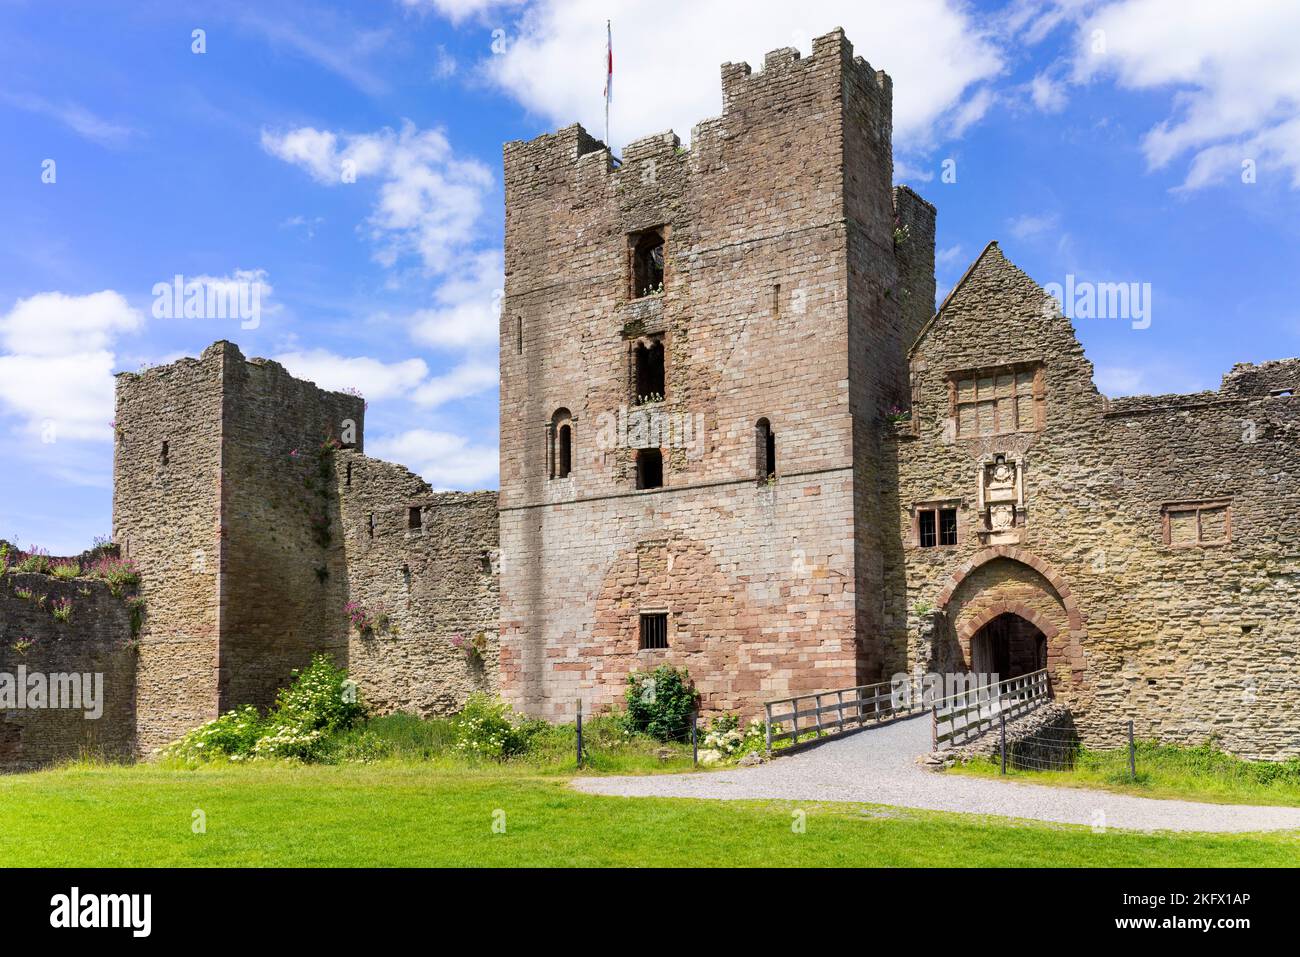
[[698, 347], [736, 437], [211, 500]]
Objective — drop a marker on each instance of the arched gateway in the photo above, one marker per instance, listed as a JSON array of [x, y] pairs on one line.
[[1012, 613]]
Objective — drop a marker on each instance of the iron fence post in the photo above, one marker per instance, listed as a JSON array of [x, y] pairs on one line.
[[1132, 754], [695, 748], [768, 708], [579, 723]]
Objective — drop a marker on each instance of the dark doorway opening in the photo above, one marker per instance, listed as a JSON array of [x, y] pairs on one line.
[[1008, 646]]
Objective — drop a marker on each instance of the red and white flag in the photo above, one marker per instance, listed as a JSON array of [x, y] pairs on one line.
[[609, 64]]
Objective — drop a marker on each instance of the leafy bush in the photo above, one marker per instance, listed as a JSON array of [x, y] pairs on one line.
[[303, 724], [66, 570], [489, 728], [287, 741], [321, 698], [234, 734], [661, 704], [726, 741]]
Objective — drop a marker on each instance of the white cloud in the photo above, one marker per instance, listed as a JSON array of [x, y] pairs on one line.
[[374, 379], [470, 378], [446, 65], [74, 116], [1117, 381], [57, 371], [1047, 93], [1234, 73], [458, 10], [467, 306], [327, 41], [951, 254], [56, 324], [1029, 226], [667, 57], [430, 201], [444, 459]]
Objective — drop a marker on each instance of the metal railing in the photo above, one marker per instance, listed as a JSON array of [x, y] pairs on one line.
[[846, 709], [973, 711]]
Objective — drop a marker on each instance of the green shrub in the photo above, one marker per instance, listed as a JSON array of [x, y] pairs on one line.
[[66, 570], [320, 699], [661, 704], [303, 725], [294, 743], [234, 734], [489, 728]]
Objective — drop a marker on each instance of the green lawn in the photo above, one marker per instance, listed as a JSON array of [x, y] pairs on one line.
[[1200, 773], [417, 813]]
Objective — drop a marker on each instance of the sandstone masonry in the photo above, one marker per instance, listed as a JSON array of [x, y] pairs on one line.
[[736, 437]]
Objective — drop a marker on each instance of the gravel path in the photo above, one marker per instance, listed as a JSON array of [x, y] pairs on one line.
[[877, 767]]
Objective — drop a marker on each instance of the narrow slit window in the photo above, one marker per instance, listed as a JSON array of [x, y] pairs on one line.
[[370, 524], [564, 451], [559, 451], [649, 468], [765, 449], [348, 479], [519, 335], [654, 630], [414, 517], [165, 451]]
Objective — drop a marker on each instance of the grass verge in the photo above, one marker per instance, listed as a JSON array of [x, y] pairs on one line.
[[1200, 773], [405, 813]]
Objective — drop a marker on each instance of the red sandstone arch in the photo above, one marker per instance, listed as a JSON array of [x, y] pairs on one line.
[[1024, 557], [969, 628]]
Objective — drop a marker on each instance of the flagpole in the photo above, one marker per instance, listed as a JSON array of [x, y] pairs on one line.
[[609, 52]]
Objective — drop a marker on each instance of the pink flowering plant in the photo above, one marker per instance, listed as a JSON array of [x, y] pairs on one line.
[[369, 622], [473, 648], [120, 573]]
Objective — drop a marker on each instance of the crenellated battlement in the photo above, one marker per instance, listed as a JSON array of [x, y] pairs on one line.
[[545, 160]]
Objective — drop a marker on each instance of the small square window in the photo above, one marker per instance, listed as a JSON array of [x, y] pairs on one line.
[[654, 630], [414, 517], [649, 468], [936, 525], [1189, 524]]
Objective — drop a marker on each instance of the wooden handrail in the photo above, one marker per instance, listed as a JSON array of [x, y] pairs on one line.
[[1012, 697], [856, 705]]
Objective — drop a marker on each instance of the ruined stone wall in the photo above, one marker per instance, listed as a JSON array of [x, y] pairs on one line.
[[96, 638], [223, 501], [432, 583], [284, 577], [166, 520], [755, 319], [1189, 642]]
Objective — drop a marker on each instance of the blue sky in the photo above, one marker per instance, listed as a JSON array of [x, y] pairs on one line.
[[1102, 140]]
